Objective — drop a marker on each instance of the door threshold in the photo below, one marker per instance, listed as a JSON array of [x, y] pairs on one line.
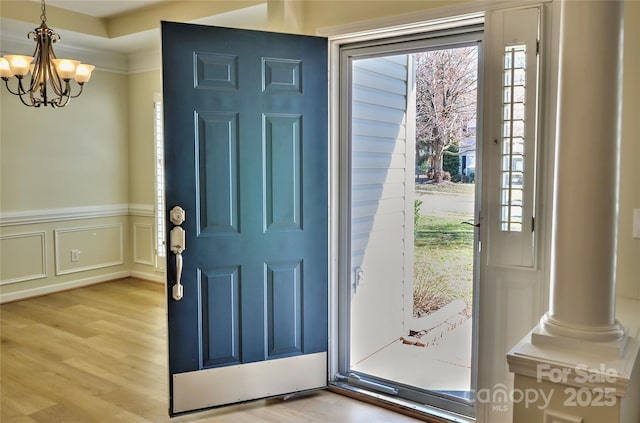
[[412, 409]]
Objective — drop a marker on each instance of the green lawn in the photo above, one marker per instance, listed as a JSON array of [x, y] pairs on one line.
[[443, 265], [447, 187]]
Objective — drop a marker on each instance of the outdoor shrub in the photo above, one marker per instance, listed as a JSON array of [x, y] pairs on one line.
[[451, 162], [416, 212]]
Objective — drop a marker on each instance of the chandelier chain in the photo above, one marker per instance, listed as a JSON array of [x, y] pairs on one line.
[[43, 7]]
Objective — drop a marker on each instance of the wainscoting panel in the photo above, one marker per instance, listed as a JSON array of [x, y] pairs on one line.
[[23, 258], [516, 302], [143, 251], [95, 246], [109, 242]]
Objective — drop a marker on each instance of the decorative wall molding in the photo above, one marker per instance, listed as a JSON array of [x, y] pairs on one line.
[[148, 242], [61, 286], [59, 233], [29, 217], [42, 262], [143, 210]]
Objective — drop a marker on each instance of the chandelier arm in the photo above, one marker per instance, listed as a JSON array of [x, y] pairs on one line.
[[6, 83], [79, 92], [32, 103], [60, 103], [65, 96], [20, 92], [56, 83]]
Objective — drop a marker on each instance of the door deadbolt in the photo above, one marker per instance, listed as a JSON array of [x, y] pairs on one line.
[[177, 215]]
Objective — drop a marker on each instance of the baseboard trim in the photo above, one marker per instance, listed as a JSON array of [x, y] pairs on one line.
[[151, 277], [79, 283], [62, 286]]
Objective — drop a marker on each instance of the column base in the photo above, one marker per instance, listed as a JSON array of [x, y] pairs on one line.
[[573, 359], [606, 342], [575, 381], [609, 333]]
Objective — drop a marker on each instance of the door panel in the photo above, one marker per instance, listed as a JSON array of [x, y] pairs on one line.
[[246, 157]]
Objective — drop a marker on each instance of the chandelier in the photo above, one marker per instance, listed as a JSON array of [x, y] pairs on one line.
[[50, 77]]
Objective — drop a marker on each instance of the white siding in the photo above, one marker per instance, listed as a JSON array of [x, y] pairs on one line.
[[379, 175]]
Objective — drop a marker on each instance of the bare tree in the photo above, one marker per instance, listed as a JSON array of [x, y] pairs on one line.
[[446, 93]]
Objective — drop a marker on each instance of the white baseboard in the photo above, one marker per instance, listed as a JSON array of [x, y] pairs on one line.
[[63, 286], [152, 277], [78, 283]]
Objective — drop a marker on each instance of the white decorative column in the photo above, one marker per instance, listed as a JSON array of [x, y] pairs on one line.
[[586, 190], [579, 365]]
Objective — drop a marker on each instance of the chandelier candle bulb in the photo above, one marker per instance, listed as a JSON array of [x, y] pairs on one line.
[[66, 68], [83, 73], [18, 64], [5, 70]]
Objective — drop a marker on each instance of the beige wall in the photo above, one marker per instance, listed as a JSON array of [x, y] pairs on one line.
[[142, 87], [69, 157]]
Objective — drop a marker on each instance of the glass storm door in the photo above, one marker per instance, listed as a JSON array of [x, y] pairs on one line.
[[414, 165]]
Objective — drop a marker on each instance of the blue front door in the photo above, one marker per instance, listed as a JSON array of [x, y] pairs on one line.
[[246, 158]]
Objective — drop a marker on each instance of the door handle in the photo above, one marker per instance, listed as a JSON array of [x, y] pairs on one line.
[[177, 239], [477, 225]]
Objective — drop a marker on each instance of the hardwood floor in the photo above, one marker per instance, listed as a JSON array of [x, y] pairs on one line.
[[98, 354]]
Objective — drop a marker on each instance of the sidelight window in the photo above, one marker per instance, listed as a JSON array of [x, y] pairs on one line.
[[513, 139]]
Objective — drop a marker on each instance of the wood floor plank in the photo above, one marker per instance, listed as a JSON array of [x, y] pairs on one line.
[[98, 355], [19, 419]]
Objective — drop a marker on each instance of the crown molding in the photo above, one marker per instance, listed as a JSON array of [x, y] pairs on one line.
[[145, 61], [103, 60]]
